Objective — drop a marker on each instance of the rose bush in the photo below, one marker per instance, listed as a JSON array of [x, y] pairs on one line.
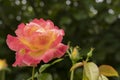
[[36, 41]]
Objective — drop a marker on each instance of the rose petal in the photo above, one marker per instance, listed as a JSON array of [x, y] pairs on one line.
[[45, 24], [49, 24], [13, 43], [28, 60], [57, 52], [18, 61], [36, 21], [60, 34], [42, 22], [48, 56], [57, 41], [60, 50], [20, 29], [25, 60]]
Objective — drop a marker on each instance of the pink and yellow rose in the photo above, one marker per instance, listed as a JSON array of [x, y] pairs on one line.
[[37, 41]]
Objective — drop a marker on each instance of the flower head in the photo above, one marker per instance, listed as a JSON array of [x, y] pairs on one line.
[[36, 41], [3, 64]]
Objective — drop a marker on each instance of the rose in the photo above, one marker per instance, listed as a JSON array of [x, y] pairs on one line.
[[36, 41]]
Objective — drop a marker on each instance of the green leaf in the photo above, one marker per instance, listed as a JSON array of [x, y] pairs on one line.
[[84, 76], [102, 77], [43, 67], [45, 76], [91, 71], [107, 70]]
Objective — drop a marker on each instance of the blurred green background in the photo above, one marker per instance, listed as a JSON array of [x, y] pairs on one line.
[[87, 23]]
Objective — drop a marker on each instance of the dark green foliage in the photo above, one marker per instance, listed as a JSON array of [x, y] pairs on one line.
[[87, 23]]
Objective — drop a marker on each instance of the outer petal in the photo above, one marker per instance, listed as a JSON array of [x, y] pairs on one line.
[[14, 43], [49, 55], [60, 50], [18, 61], [36, 21], [25, 60], [49, 24], [58, 38], [41, 22], [20, 29], [29, 61], [57, 52], [45, 24], [57, 41]]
